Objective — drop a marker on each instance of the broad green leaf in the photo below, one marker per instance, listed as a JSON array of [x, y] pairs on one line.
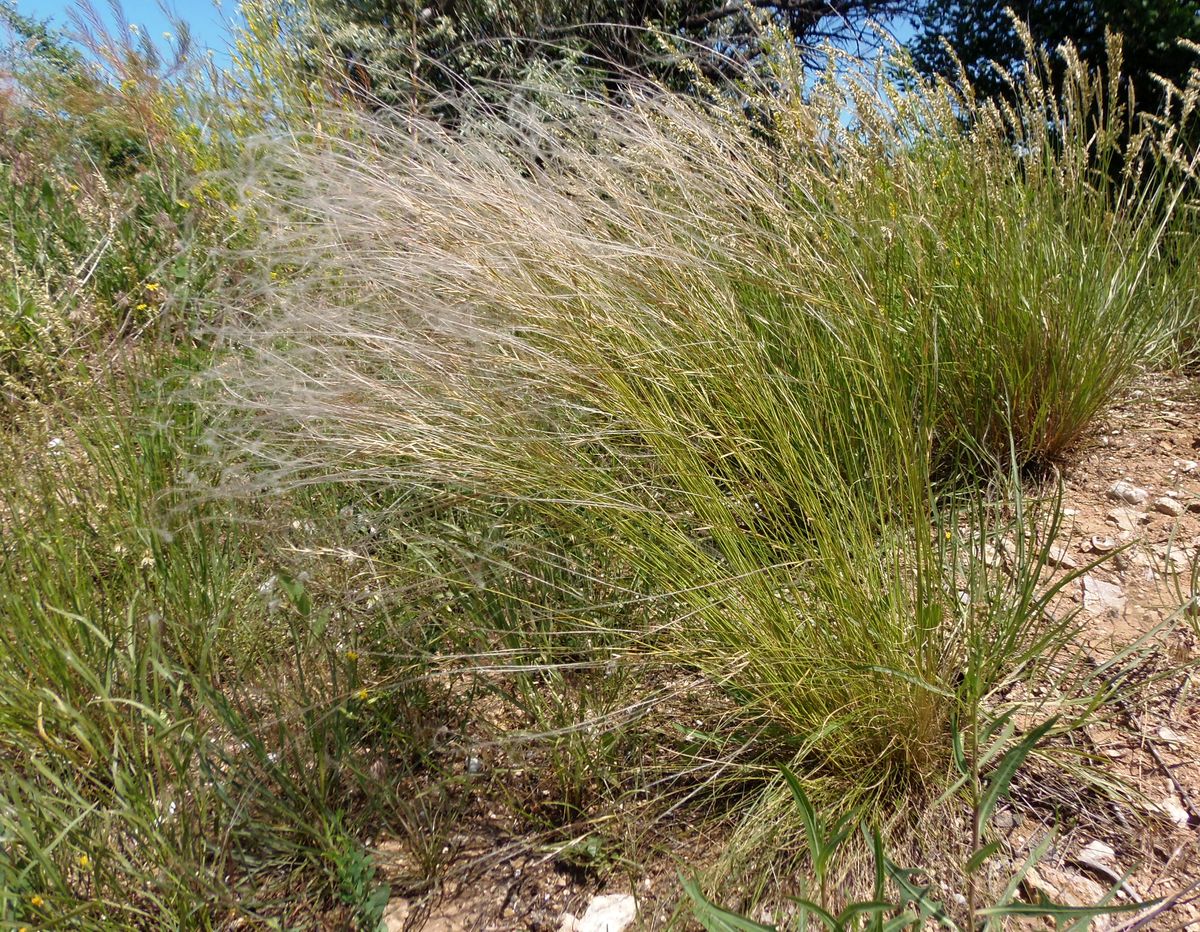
[[831, 921], [320, 622], [1034, 857], [956, 745], [1082, 924], [1046, 908], [808, 815], [982, 854], [996, 736], [843, 827], [868, 907], [875, 841], [1002, 776], [713, 917], [918, 894], [1002, 723], [296, 594]]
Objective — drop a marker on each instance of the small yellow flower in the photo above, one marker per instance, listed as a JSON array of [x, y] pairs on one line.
[[361, 695], [152, 286], [36, 901], [947, 535], [84, 861], [143, 306], [352, 655]]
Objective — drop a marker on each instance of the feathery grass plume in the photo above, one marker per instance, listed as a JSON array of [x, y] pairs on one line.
[[758, 370]]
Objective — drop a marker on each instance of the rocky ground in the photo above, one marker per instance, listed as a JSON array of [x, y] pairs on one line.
[[1132, 499]]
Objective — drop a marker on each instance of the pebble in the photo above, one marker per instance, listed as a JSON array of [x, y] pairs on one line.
[[613, 912], [1098, 851], [1101, 596], [395, 915], [1058, 556], [1173, 809], [1100, 859], [1173, 559], [1128, 492], [1006, 820], [1168, 506], [1065, 887], [1127, 519]]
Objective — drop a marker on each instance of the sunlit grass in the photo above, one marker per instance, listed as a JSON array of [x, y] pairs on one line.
[[524, 421], [759, 372]]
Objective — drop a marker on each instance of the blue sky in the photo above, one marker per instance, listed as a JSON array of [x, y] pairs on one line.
[[204, 18]]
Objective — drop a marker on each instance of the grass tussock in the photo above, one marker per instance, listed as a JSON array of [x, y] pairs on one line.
[[604, 456], [754, 366]]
